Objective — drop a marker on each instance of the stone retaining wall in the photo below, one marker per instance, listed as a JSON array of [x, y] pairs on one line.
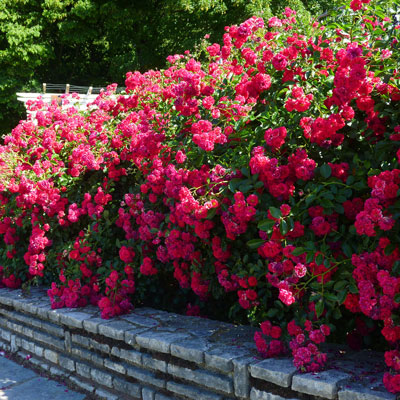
[[156, 355]]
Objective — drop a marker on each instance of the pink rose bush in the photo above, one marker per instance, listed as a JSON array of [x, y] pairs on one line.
[[259, 176]]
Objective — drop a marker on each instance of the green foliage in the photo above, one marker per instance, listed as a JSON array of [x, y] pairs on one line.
[[94, 42]]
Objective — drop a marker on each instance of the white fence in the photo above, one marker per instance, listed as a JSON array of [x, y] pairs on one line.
[[87, 94]]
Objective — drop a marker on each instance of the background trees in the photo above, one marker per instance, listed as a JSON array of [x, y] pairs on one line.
[[95, 42]]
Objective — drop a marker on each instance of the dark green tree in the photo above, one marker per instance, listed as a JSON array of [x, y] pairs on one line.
[[95, 42]]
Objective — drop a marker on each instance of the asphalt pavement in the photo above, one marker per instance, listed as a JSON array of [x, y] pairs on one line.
[[19, 383]]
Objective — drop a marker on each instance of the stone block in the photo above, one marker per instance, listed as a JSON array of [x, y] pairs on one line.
[[141, 320], [43, 310], [204, 328], [15, 327], [5, 297], [87, 387], [191, 392], [27, 331], [3, 321], [323, 384], [96, 359], [30, 307], [38, 350], [115, 351], [67, 342], [148, 394], [103, 347], [28, 346], [6, 347], [221, 357], [159, 341], [36, 323], [105, 395], [145, 376], [5, 334], [39, 364], [152, 363], [277, 371], [190, 349], [130, 335], [18, 317], [204, 378], [22, 354], [74, 319], [55, 315], [13, 343], [256, 394], [82, 353], [353, 391], [53, 329], [49, 340], [66, 363], [115, 366], [57, 372], [51, 356], [151, 312], [127, 388], [132, 356], [101, 377], [161, 396], [91, 325], [82, 369], [114, 329], [241, 380], [81, 340]]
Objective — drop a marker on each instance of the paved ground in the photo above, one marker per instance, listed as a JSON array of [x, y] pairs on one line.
[[19, 383]]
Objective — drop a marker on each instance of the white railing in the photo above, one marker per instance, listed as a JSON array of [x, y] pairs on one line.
[[86, 95]]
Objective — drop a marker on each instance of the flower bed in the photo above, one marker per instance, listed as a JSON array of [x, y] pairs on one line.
[[263, 179]]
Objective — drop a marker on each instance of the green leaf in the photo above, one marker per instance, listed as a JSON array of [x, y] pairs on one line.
[[319, 308], [397, 298], [275, 212], [259, 185], [347, 249], [331, 297], [245, 172], [266, 225], [255, 243], [244, 188], [353, 288], [359, 186], [328, 195], [396, 268], [101, 270], [310, 257], [328, 204], [325, 170], [339, 285], [298, 251], [272, 312], [320, 259], [284, 227], [339, 209], [211, 212], [233, 184], [389, 249], [336, 313]]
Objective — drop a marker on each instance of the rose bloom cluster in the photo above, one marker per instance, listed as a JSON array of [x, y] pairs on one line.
[[260, 174]]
